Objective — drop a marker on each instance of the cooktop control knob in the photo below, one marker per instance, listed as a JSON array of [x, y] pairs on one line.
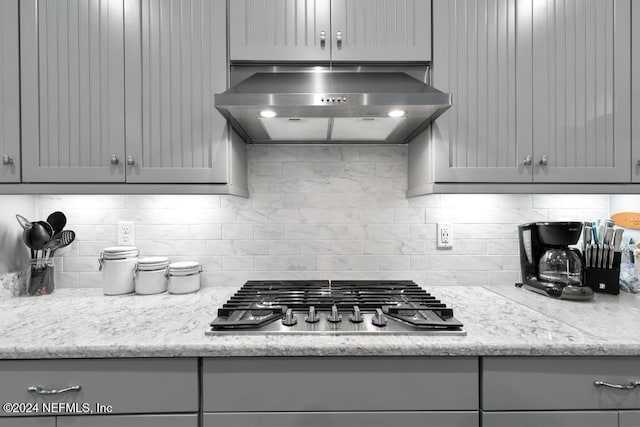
[[379, 319], [334, 317], [289, 319], [356, 317], [312, 316]]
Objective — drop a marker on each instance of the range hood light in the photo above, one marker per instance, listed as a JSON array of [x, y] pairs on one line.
[[267, 114], [397, 113]]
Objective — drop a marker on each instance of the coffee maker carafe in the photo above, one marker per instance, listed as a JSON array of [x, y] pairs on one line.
[[549, 266]]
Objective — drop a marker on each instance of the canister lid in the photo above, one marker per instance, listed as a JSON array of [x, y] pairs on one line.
[[153, 263], [184, 268], [120, 252]]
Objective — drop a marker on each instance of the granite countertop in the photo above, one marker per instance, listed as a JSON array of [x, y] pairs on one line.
[[73, 323]]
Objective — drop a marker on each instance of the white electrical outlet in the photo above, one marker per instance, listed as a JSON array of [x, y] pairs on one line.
[[444, 235], [126, 233]]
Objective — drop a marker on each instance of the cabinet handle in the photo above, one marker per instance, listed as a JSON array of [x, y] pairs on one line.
[[339, 39], [528, 160], [6, 160], [544, 160], [114, 159], [40, 390], [629, 386], [323, 38], [130, 161]]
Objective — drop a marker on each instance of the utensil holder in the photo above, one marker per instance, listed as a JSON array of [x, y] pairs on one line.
[[604, 280], [40, 277]]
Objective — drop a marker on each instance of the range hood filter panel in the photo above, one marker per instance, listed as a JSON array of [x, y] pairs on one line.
[[294, 128], [364, 128]]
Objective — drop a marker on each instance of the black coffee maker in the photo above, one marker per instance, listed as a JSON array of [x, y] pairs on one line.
[[548, 265]]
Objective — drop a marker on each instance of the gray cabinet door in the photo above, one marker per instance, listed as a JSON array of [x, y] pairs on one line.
[[342, 419], [176, 60], [165, 420], [9, 92], [635, 94], [486, 134], [581, 85], [27, 422], [72, 81], [279, 30], [629, 418], [550, 419], [381, 30]]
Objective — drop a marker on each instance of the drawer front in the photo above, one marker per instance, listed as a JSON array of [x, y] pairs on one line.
[[28, 422], [318, 384], [629, 418], [343, 419], [185, 420], [127, 385], [545, 383], [550, 419]]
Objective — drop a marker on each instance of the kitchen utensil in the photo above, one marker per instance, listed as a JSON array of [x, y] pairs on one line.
[[586, 244], [47, 227], [24, 222], [36, 236], [57, 220], [66, 237], [617, 241], [607, 247]]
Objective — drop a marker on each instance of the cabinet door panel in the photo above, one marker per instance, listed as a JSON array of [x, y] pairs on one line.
[[72, 65], [581, 82], [9, 92], [480, 138], [635, 94], [629, 418], [279, 30], [167, 420], [173, 132], [550, 419], [381, 30], [28, 422], [342, 419]]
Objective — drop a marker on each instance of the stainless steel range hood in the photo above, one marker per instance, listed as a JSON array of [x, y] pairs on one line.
[[353, 107]]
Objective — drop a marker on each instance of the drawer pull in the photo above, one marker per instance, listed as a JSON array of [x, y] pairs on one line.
[[40, 390], [629, 386]]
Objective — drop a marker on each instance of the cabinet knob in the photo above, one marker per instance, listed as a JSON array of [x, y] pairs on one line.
[[527, 160], [323, 38], [114, 159], [544, 161], [130, 161], [339, 39], [6, 160]]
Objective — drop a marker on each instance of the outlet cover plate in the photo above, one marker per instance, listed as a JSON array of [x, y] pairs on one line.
[[444, 235], [126, 233]]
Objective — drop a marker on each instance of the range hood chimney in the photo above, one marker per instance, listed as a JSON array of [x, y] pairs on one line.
[[330, 106]]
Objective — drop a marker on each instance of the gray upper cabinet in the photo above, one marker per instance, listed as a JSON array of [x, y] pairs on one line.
[[581, 62], [279, 30], [176, 60], [323, 30], [72, 80], [9, 92], [381, 30], [484, 135], [635, 94], [541, 91]]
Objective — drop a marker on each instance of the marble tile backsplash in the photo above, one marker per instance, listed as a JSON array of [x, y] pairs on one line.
[[322, 212]]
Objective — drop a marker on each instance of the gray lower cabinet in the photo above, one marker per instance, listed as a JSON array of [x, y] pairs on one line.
[[635, 94], [550, 419], [342, 419], [101, 387], [560, 391], [28, 422], [340, 391], [336, 30], [168, 420], [541, 92], [9, 92]]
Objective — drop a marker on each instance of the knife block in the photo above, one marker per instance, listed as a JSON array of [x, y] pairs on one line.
[[604, 280]]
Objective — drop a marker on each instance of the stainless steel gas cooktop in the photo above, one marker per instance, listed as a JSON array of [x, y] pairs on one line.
[[351, 307]]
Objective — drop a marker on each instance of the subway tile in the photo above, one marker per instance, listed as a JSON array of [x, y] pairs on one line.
[[394, 263], [315, 185], [409, 216], [257, 153], [281, 153], [253, 216], [429, 201], [169, 247], [348, 247], [315, 215], [285, 216], [409, 247], [378, 247], [205, 231], [360, 169], [299, 200], [267, 200], [237, 231], [253, 247], [285, 263], [265, 169], [301, 247], [237, 263], [222, 247], [268, 231], [375, 153], [64, 203]]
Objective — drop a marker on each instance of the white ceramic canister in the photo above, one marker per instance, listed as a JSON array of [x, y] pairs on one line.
[[118, 265], [184, 277], [151, 275]]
